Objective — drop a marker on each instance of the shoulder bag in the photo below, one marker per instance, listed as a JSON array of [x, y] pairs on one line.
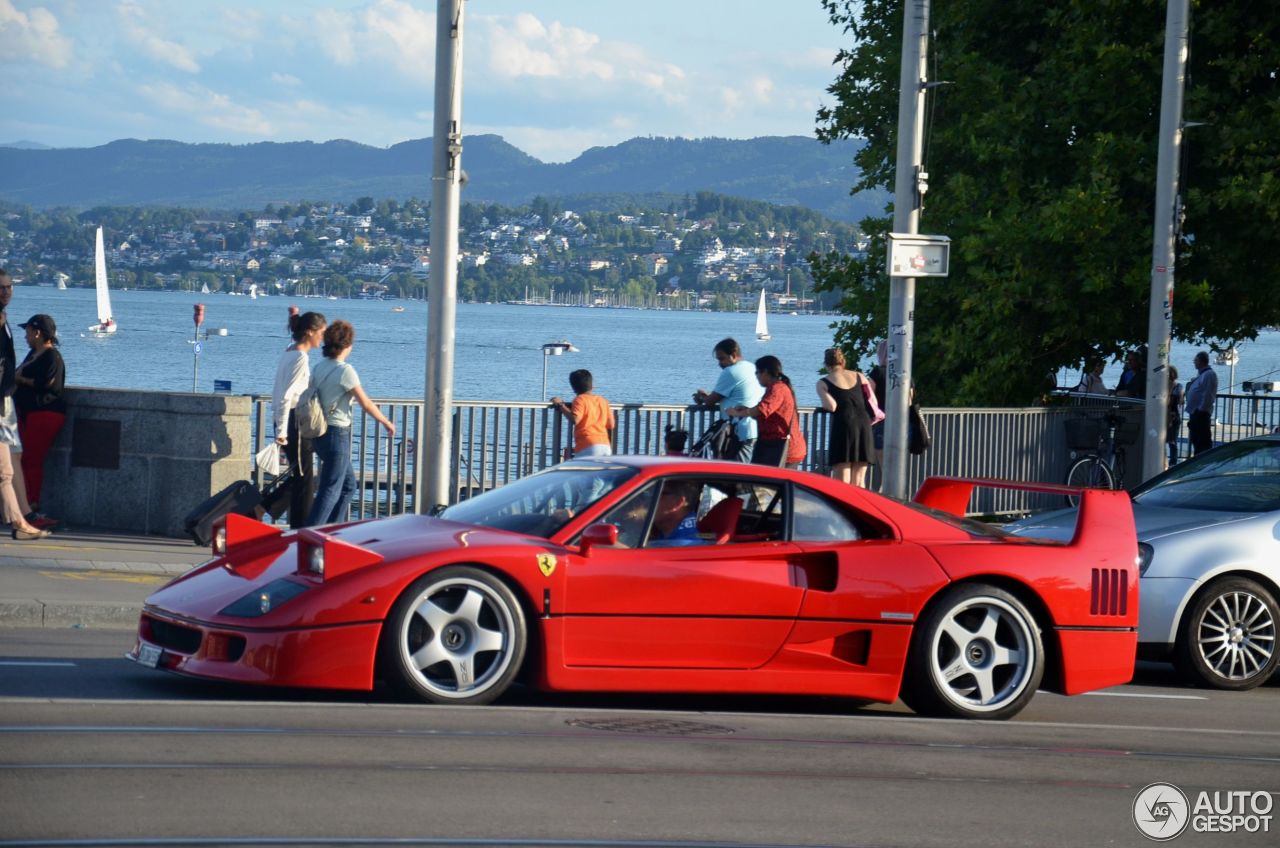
[[310, 413], [774, 451]]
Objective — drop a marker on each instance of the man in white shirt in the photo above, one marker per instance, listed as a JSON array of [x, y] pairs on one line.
[[1202, 393]]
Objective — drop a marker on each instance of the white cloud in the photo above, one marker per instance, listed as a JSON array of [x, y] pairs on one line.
[[207, 107], [333, 31], [33, 36], [285, 79], [161, 49], [388, 31], [525, 47]]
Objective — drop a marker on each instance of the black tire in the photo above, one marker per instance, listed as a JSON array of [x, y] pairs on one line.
[[1227, 636], [1089, 472], [456, 636], [1002, 649]]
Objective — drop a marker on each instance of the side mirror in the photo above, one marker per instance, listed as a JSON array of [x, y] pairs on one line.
[[599, 534]]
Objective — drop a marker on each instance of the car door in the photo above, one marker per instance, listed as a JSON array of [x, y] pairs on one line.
[[697, 605], [854, 567]]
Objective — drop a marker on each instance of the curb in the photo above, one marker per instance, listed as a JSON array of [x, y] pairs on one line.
[[38, 614]]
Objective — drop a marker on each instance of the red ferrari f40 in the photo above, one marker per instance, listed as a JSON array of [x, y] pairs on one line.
[[649, 574]]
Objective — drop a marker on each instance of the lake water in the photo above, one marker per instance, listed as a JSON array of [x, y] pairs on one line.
[[635, 355]]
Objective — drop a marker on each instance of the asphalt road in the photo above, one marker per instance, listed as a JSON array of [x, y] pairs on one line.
[[100, 751]]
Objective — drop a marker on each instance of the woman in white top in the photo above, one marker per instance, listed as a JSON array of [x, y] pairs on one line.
[[293, 373], [337, 384]]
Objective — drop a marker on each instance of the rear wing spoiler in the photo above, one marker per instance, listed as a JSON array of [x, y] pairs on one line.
[[1104, 516]]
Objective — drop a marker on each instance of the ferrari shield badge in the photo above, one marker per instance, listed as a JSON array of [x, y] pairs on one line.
[[546, 564]]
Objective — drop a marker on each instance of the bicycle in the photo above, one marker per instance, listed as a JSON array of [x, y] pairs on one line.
[[1103, 466]]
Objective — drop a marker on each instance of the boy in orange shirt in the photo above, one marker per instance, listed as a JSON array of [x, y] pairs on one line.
[[592, 418]]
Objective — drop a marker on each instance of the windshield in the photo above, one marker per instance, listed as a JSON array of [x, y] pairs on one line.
[[542, 503], [1236, 477]]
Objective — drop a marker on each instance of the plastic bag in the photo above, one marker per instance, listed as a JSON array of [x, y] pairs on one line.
[[268, 459]]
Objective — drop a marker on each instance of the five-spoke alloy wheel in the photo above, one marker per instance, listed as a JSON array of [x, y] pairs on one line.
[[456, 636], [976, 653], [1228, 635]]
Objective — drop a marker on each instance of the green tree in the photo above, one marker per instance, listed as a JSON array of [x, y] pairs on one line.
[[1041, 153]]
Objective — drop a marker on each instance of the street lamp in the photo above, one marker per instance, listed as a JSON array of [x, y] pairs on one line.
[[553, 349]]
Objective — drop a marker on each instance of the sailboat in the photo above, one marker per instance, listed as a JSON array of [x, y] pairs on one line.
[[204, 288], [106, 323], [253, 291], [762, 323]]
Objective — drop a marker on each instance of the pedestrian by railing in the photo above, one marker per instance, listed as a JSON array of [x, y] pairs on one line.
[[496, 442]]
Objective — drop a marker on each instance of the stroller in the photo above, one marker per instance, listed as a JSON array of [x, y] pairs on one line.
[[718, 442]]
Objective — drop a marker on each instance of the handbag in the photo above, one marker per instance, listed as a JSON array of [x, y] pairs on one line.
[[9, 424], [771, 452], [874, 412], [310, 414], [774, 451], [918, 438]]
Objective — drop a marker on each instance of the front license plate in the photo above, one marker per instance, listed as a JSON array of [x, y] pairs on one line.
[[149, 655]]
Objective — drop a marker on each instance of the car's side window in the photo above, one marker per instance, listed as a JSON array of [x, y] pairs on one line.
[[685, 511], [817, 519], [631, 517], [763, 517]]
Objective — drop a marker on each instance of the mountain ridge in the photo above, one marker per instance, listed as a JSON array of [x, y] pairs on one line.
[[785, 170]]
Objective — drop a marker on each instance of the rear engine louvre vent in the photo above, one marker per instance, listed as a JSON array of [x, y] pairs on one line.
[[1109, 592]]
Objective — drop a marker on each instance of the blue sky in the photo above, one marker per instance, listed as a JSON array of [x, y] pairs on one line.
[[552, 77]]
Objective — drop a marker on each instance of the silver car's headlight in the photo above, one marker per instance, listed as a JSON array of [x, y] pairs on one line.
[[1145, 553]]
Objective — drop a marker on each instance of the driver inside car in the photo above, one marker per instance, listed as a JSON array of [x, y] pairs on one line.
[[675, 519]]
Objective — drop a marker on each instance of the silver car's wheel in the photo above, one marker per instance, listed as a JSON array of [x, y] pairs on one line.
[[977, 653], [456, 636], [1228, 639]]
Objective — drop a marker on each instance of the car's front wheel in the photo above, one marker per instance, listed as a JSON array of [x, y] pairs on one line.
[[977, 653], [456, 636], [1228, 635]]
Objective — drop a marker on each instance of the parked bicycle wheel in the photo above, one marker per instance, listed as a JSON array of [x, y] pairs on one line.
[[1089, 472]]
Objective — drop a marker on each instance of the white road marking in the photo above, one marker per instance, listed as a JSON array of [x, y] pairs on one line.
[[25, 662], [1140, 695]]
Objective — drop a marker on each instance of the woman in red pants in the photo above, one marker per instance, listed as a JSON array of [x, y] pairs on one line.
[[41, 409]]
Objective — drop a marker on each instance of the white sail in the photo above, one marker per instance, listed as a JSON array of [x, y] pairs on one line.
[[106, 322], [204, 289], [762, 323]]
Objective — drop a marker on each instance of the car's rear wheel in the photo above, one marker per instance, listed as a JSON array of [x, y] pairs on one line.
[[1228, 635], [976, 653], [456, 636]]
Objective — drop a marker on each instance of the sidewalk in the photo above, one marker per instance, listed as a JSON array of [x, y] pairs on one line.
[[81, 578]]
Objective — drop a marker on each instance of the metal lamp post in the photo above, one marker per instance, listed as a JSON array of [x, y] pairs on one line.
[[197, 317], [553, 349]]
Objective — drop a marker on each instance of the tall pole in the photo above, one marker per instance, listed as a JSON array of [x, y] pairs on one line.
[[431, 478], [906, 219], [1160, 319]]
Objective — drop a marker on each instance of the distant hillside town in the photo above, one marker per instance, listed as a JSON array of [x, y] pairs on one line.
[[707, 251]]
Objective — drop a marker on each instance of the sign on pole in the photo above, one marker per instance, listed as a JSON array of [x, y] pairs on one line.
[[914, 255]]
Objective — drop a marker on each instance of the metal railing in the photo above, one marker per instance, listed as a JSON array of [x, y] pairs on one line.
[[495, 442]]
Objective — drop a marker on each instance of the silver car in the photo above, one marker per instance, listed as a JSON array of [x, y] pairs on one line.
[[1209, 540]]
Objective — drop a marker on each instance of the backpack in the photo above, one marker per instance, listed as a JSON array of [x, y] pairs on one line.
[[310, 413]]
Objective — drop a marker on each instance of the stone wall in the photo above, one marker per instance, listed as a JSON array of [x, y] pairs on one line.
[[139, 461]]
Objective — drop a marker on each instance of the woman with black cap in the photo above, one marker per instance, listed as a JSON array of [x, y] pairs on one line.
[[41, 408]]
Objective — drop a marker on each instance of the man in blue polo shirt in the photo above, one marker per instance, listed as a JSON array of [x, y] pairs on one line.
[[737, 386]]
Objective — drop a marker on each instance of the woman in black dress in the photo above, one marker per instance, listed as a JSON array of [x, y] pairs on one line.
[[851, 445]]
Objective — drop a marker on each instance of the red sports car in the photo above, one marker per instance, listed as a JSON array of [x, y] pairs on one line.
[[652, 574]]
